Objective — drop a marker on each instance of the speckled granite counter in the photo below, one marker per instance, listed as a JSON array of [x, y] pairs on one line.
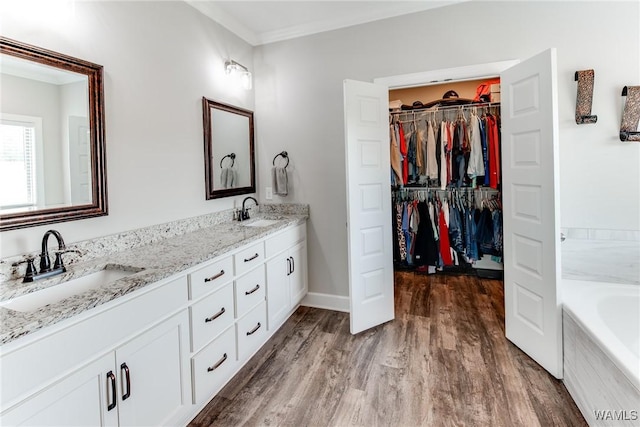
[[151, 263]]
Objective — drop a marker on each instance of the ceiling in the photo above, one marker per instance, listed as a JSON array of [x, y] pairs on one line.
[[262, 22]]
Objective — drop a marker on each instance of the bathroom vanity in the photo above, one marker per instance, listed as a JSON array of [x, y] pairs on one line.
[[154, 345]]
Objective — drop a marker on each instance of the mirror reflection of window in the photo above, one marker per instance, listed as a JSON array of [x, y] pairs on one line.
[[20, 161]]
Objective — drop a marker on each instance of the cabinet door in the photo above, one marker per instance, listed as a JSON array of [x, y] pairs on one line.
[[278, 295], [298, 276], [153, 374], [81, 398]]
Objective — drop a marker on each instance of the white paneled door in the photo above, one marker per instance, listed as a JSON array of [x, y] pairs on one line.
[[531, 209], [366, 107]]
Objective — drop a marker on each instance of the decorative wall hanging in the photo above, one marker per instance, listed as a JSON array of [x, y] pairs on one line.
[[630, 114], [584, 97]]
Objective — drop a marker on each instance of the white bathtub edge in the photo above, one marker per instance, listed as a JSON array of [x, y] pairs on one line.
[[574, 293]]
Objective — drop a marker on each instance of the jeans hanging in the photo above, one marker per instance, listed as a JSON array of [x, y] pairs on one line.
[[455, 230], [484, 233], [496, 216], [470, 236]]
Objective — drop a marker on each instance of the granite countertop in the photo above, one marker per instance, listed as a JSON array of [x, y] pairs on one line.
[[150, 263]]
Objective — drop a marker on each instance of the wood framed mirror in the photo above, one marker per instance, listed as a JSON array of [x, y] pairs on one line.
[[52, 155], [229, 161]]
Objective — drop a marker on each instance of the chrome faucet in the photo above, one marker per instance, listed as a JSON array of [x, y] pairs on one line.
[[244, 213], [45, 262]]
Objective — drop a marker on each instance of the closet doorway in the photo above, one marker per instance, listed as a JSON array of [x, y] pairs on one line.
[[446, 162], [530, 192]]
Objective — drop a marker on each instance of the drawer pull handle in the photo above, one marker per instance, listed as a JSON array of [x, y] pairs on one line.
[[215, 316], [112, 379], [127, 377], [214, 277], [251, 258], [253, 331], [218, 363], [252, 290]]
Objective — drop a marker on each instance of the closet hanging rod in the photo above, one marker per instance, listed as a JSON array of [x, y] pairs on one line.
[[447, 108], [425, 189]]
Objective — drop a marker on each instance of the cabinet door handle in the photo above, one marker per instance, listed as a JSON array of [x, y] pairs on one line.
[[251, 258], [252, 290], [253, 331], [214, 277], [288, 266], [127, 378], [215, 316], [293, 264], [217, 364], [111, 378]]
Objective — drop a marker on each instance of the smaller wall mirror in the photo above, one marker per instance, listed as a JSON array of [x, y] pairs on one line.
[[52, 160], [228, 149]]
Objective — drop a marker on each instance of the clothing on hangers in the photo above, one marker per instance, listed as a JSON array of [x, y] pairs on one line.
[[457, 229]]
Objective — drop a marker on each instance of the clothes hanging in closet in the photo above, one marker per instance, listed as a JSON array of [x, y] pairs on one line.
[[464, 152], [440, 233]]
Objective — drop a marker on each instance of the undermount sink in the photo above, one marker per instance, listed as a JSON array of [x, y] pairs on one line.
[[34, 300], [262, 223]]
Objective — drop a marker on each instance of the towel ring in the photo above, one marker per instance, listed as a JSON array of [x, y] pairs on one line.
[[285, 155], [232, 156]]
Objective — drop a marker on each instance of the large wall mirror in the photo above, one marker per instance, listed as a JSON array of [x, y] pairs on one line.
[[228, 150], [52, 159]]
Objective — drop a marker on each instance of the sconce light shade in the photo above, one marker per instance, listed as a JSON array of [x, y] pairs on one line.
[[239, 72]]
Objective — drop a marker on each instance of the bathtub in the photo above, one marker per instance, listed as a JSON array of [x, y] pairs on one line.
[[601, 330]]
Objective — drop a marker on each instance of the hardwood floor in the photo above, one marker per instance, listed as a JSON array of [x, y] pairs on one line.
[[444, 361]]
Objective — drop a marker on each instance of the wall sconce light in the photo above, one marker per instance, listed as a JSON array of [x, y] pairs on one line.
[[238, 72]]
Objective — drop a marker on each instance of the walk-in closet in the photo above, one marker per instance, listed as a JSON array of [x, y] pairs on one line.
[[445, 178]]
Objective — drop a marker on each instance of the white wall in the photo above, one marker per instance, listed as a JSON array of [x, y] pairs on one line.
[[300, 107], [160, 59]]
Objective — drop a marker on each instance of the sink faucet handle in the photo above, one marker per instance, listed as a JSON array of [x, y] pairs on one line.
[[26, 259], [58, 261], [31, 268]]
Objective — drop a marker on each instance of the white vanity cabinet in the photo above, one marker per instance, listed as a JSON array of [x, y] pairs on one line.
[[286, 273], [157, 355], [267, 284], [135, 376]]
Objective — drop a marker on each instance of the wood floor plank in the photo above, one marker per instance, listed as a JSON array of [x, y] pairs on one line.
[[444, 361]]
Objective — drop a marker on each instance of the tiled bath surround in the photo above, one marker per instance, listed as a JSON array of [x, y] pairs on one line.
[[610, 256], [107, 245]]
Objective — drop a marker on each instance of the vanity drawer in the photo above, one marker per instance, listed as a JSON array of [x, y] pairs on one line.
[[248, 258], [250, 290], [211, 316], [210, 277], [252, 331], [212, 367], [285, 240]]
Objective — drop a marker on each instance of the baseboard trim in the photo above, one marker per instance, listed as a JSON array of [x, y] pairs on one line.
[[326, 301]]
